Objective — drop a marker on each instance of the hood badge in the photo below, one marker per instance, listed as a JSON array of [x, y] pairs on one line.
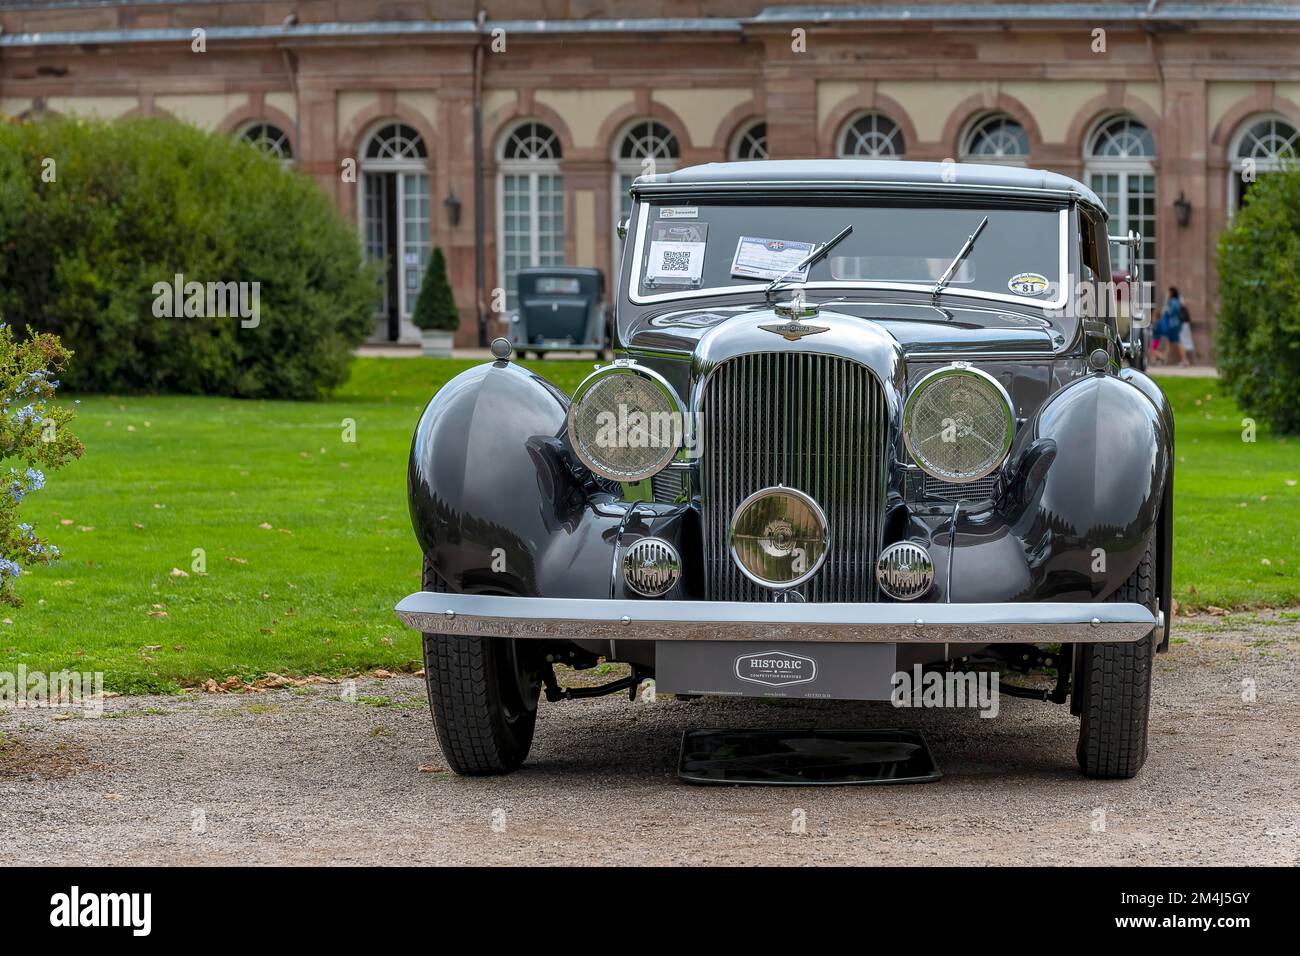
[[793, 330]]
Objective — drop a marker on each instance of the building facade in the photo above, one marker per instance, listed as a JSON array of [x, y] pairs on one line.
[[508, 134]]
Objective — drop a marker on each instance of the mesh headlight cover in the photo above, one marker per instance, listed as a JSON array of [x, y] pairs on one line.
[[625, 424], [958, 424]]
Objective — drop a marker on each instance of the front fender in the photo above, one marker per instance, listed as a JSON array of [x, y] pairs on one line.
[[1081, 499], [497, 502]]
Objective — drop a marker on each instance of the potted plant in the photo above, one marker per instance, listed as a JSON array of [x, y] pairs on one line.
[[435, 312]]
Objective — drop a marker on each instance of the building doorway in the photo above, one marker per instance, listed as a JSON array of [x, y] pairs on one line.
[[395, 223]]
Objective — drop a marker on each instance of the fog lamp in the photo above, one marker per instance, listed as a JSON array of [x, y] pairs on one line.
[[905, 571]]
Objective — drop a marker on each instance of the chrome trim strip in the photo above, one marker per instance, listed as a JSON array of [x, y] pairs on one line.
[[490, 615], [1063, 271]]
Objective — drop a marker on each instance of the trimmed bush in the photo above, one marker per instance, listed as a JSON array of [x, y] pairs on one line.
[[97, 219], [435, 308], [1259, 294]]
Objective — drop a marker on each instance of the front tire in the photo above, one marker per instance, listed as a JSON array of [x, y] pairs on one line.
[[482, 696], [1113, 691]]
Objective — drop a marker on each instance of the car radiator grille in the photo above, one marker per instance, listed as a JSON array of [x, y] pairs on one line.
[[951, 491], [811, 422]]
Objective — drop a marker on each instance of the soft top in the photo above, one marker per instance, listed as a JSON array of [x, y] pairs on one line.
[[886, 173]]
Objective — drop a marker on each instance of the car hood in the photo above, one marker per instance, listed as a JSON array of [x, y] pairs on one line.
[[918, 329]]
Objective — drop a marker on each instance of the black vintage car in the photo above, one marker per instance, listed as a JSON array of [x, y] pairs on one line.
[[561, 308], [868, 418]]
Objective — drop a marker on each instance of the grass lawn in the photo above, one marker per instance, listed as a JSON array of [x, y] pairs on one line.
[[308, 546]]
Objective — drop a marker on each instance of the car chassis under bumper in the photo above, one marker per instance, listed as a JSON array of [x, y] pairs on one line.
[[574, 619]]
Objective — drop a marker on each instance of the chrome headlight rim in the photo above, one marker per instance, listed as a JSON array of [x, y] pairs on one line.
[[625, 367], [817, 511], [929, 379]]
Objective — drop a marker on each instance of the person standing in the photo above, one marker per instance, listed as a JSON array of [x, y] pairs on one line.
[[1170, 328], [1185, 340]]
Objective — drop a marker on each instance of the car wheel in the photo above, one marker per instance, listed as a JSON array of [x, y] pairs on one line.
[[1113, 690], [482, 695]]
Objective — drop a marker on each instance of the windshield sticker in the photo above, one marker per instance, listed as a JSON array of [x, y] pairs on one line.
[[1028, 283], [769, 258], [676, 253], [679, 212]]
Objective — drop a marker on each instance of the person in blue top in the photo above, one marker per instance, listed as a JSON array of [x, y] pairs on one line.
[[1169, 328]]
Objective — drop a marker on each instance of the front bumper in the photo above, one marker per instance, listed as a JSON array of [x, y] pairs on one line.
[[485, 615]]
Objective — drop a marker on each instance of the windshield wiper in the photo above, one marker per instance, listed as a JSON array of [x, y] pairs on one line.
[[961, 256], [808, 260]]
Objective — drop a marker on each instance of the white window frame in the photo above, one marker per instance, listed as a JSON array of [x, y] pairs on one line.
[[633, 168], [895, 139], [744, 134], [533, 170], [246, 128], [401, 166], [1126, 168], [1236, 165], [977, 124]]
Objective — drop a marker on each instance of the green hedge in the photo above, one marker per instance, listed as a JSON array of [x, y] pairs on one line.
[[135, 202], [1259, 294]]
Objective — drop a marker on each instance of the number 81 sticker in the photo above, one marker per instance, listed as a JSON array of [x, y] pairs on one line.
[[1028, 283]]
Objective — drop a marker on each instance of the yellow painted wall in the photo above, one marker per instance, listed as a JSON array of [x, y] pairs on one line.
[[349, 106], [102, 107], [286, 103], [1221, 97], [205, 110], [585, 110], [830, 93], [928, 102], [426, 104], [1054, 103], [702, 109]]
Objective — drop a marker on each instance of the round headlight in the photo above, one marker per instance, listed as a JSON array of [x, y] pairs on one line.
[[625, 422], [958, 423], [779, 537]]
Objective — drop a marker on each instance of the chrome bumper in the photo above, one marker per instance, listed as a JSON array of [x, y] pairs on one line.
[[483, 615]]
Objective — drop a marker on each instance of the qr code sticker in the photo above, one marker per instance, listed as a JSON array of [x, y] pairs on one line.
[[676, 261]]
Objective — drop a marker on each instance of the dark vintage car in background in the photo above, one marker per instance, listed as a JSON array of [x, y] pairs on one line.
[[858, 423], [560, 309]]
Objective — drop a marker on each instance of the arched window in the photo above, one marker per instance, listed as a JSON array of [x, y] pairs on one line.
[[397, 142], [269, 138], [645, 147], [750, 142], [1261, 147], [1118, 155], [530, 203], [394, 185], [872, 136], [996, 138]]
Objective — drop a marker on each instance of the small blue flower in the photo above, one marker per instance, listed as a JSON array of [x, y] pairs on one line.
[[36, 479], [26, 414], [9, 569]]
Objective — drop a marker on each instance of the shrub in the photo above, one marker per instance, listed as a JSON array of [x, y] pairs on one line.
[[1259, 311], [33, 439], [436, 306], [98, 218]]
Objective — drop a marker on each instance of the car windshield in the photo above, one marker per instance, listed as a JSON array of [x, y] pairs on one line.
[[719, 247]]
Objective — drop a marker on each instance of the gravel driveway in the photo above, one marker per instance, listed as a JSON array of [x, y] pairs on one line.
[[303, 776]]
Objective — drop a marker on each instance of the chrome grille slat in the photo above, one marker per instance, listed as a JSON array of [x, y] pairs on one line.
[[812, 422]]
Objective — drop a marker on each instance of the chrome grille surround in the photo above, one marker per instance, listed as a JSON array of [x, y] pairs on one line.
[[806, 420]]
